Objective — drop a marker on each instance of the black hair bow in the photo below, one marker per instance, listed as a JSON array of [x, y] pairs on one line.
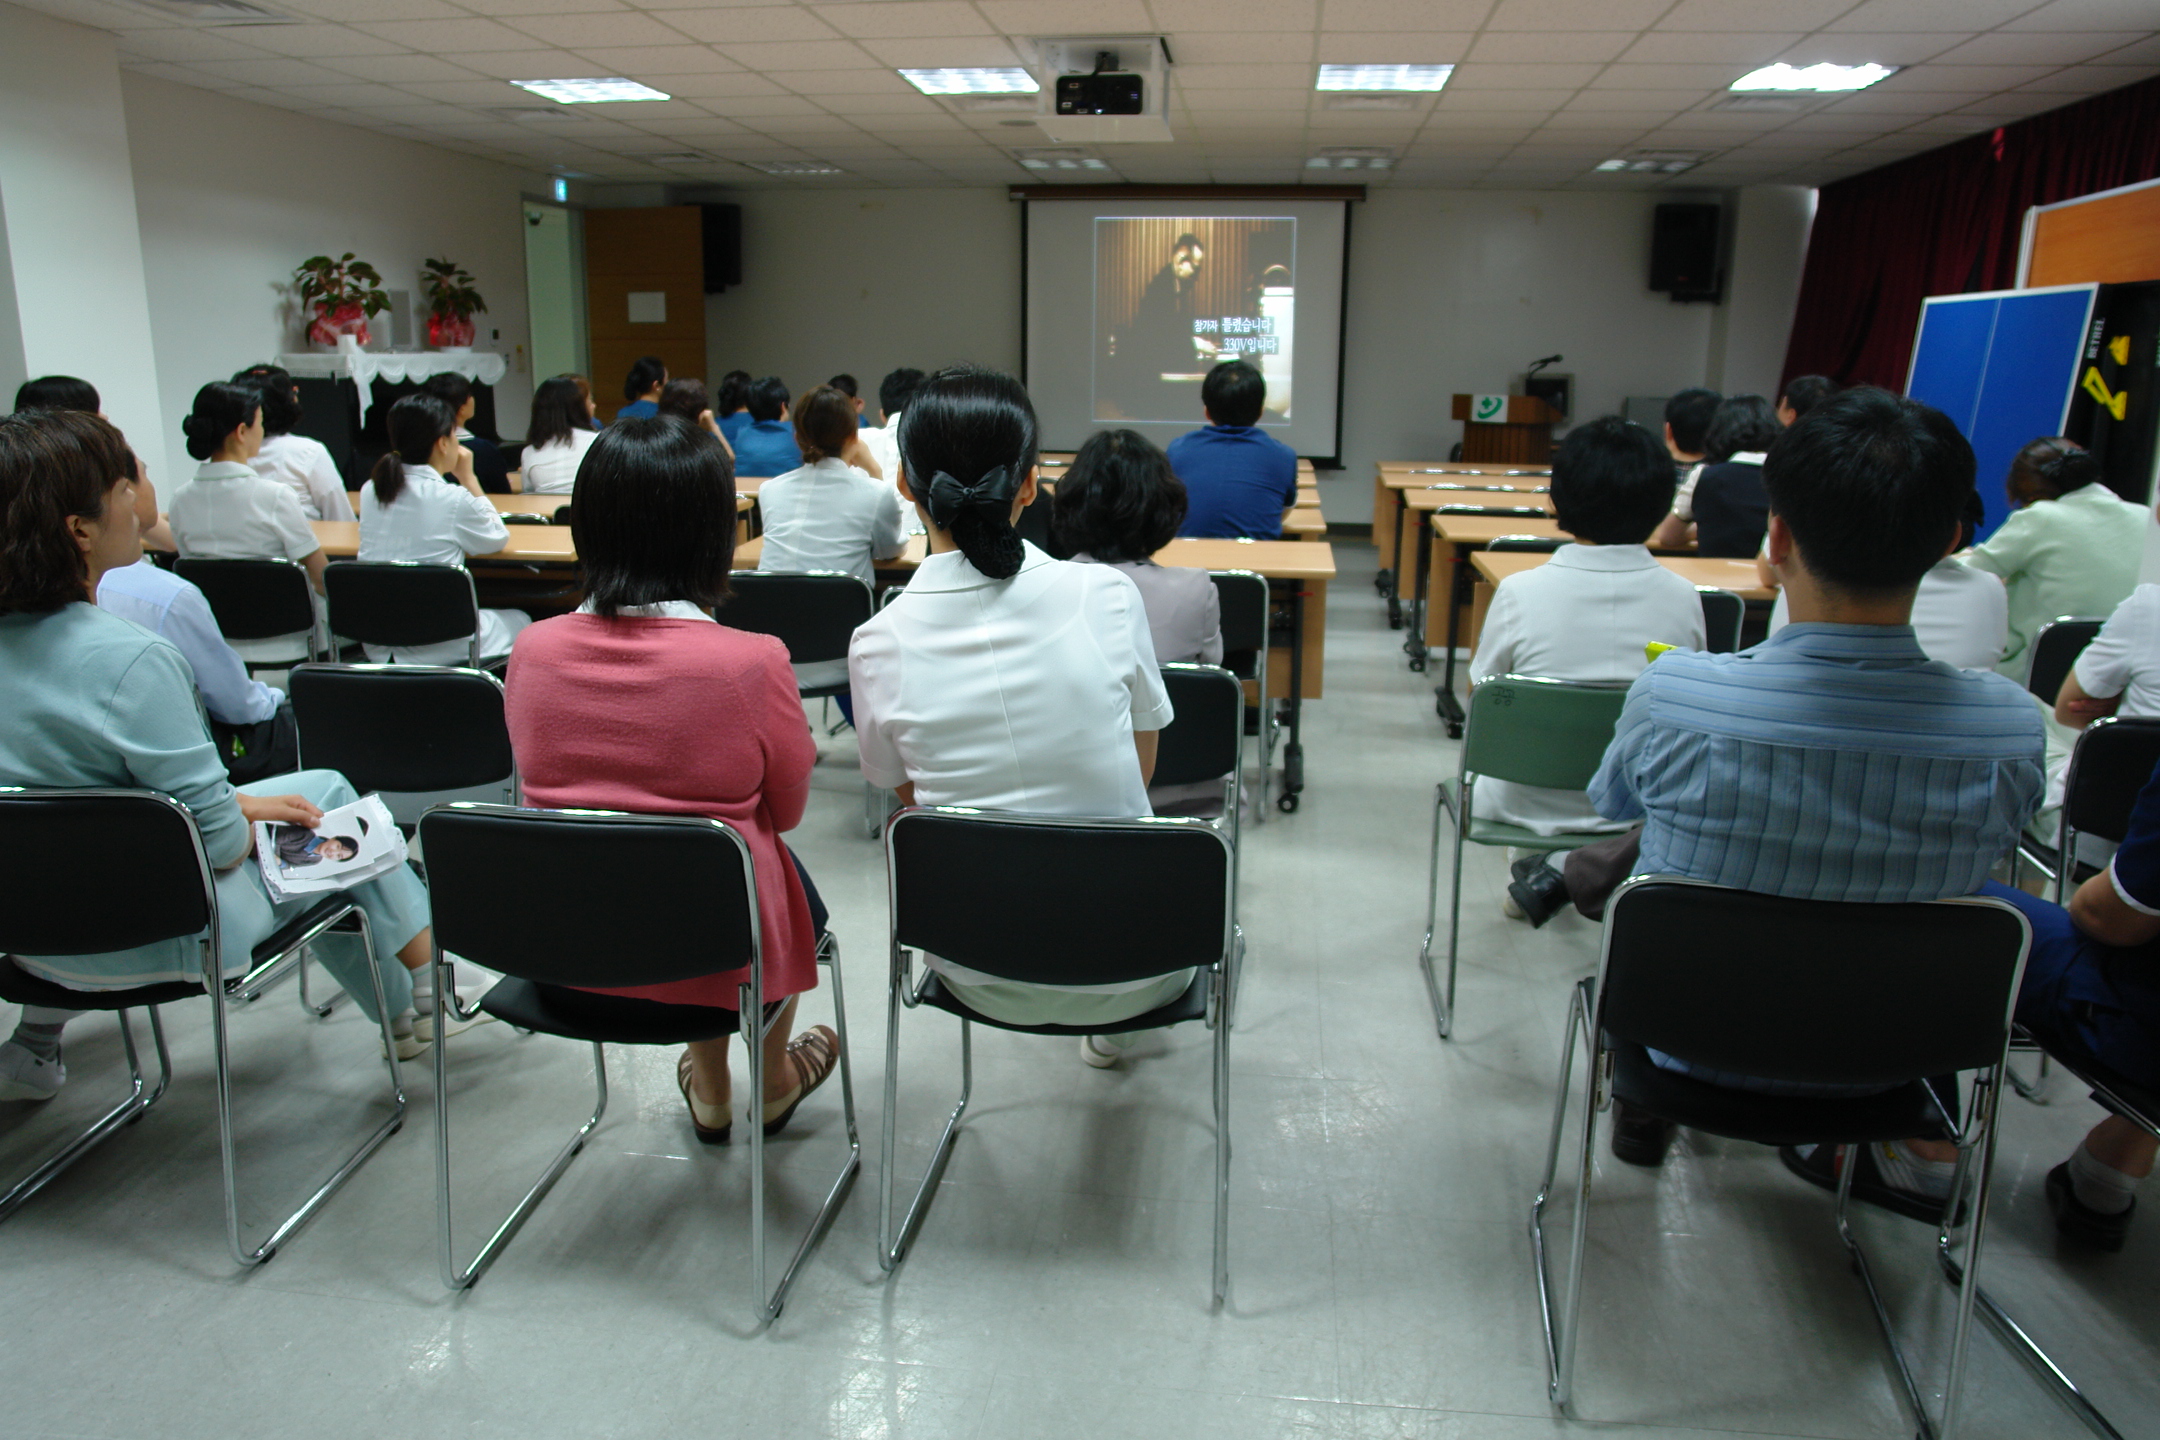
[[948, 497]]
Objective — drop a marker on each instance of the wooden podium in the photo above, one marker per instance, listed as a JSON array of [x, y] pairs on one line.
[[1522, 434]]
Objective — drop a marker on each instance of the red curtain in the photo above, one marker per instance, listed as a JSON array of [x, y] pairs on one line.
[[1949, 222]]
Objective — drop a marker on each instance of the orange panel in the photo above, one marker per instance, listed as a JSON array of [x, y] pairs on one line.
[[2108, 242], [643, 250]]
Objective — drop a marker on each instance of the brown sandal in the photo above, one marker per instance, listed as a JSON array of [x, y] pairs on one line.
[[814, 1052], [706, 1134]]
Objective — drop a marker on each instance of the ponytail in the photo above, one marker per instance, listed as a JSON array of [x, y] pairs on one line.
[[220, 409], [416, 423], [972, 433]]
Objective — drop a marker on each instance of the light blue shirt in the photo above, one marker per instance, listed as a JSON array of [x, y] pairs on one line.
[[1831, 762], [166, 605]]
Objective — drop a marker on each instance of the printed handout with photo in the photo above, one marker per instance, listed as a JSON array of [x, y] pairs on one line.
[[352, 843], [1176, 296]]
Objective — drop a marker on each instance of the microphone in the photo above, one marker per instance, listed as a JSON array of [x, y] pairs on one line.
[[1537, 365]]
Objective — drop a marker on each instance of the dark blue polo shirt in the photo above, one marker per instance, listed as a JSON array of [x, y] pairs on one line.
[[766, 447], [1238, 481]]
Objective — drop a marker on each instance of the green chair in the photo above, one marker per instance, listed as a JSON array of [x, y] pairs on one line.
[[1529, 731]]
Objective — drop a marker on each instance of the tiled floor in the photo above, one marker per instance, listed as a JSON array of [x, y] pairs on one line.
[[1380, 1268]]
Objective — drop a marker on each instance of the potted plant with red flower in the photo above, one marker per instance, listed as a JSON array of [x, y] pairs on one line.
[[452, 302], [341, 294]]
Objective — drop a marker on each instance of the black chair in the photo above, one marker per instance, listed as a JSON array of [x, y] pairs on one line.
[[1525, 544], [632, 900], [1246, 605], [814, 613], [1173, 880], [402, 604], [518, 517], [2111, 762], [1034, 526], [1828, 996], [1722, 613], [2055, 648], [259, 600], [58, 905]]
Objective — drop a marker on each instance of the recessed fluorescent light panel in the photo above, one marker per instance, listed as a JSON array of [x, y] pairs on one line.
[[994, 80], [1824, 79], [794, 167], [1383, 77], [1060, 158], [1655, 162], [1352, 157], [591, 91]]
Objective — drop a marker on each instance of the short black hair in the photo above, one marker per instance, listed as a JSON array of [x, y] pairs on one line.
[[220, 408], [449, 387], [1873, 487], [1234, 394], [648, 371], [1742, 423], [684, 399], [1119, 499], [281, 412], [57, 392], [1803, 393], [1187, 239], [897, 388], [1688, 413], [845, 384], [654, 518], [1612, 482], [734, 392], [768, 398]]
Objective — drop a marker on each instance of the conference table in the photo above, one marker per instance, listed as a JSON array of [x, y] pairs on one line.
[[1298, 571]]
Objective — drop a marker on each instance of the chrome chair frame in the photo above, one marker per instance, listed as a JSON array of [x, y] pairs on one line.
[[906, 992], [1562, 1321], [225, 993], [1443, 996], [1267, 725], [755, 1026]]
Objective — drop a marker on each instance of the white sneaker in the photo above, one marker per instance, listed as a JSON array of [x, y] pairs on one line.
[[1509, 908], [1100, 1051], [25, 1077], [403, 1035], [469, 980]]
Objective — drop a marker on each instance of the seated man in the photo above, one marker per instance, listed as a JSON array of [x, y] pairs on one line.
[[1835, 761], [1240, 482], [1802, 394], [766, 446], [1687, 422]]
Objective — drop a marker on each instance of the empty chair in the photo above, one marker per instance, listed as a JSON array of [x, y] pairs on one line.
[[1173, 882], [1723, 612], [1246, 605], [631, 900], [814, 614], [402, 605], [259, 600], [1205, 742], [60, 906], [1530, 731], [2055, 648], [1828, 996]]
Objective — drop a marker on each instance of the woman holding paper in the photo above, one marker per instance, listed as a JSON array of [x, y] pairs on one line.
[[99, 702]]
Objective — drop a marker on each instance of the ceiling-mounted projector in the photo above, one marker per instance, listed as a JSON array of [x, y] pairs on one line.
[[1105, 90]]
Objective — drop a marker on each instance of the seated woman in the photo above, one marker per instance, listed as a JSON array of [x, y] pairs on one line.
[[423, 504], [557, 436], [229, 512], [686, 400], [296, 460], [641, 389], [1003, 679], [640, 702], [489, 466], [2070, 547], [96, 701], [1732, 509]]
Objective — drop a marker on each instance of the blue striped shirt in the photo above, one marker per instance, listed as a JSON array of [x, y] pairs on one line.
[[1831, 762]]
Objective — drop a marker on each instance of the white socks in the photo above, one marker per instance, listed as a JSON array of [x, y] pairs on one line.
[[2100, 1186], [1903, 1170]]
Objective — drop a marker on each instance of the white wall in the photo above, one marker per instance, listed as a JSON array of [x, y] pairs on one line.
[[866, 281], [74, 291], [1769, 228], [232, 196]]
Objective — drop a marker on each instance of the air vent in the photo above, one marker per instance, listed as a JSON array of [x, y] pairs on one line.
[[218, 12], [1354, 100], [1768, 104], [676, 157]]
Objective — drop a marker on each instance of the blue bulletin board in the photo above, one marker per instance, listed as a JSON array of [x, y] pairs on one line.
[[2002, 364]]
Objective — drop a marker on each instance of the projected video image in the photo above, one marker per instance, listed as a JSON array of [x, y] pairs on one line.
[[1175, 296]]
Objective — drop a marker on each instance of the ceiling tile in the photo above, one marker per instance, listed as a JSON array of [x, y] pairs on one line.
[[1528, 77], [706, 127], [659, 65], [1063, 17], [1872, 47], [1785, 15], [904, 19], [1412, 48], [983, 50], [1634, 100], [1921, 16], [499, 8], [615, 28], [181, 75], [2087, 15], [2015, 48], [524, 64], [800, 55], [1663, 77], [369, 10], [1561, 16], [499, 94], [1273, 98], [2143, 52], [1736, 48], [1193, 48], [937, 124], [1465, 15], [1486, 101], [750, 24], [789, 127], [319, 42], [404, 69], [1546, 47], [183, 47], [2092, 79], [1245, 15], [452, 36], [1240, 77], [706, 87], [1954, 78], [282, 73], [879, 105], [95, 14]]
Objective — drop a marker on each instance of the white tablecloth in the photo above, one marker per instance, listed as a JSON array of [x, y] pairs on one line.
[[365, 366]]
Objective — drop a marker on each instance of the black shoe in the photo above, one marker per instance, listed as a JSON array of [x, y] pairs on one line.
[[1537, 890], [1820, 1168], [1638, 1137], [2075, 1220]]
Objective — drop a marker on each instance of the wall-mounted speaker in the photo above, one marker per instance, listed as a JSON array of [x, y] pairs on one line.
[[723, 246], [1684, 251]]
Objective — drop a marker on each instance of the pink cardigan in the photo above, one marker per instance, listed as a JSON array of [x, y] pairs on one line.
[[674, 717]]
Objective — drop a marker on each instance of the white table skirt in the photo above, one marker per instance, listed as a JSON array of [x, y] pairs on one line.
[[363, 367]]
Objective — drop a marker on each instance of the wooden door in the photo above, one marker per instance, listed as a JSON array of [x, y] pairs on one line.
[[644, 294]]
